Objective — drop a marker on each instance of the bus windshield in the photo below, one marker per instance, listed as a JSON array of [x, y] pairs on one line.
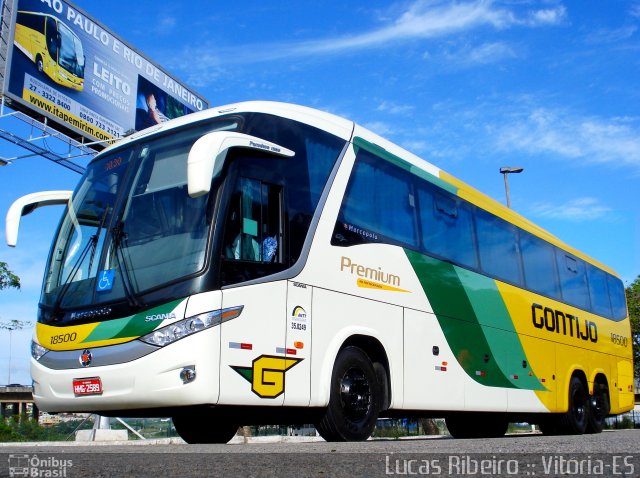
[[71, 54], [131, 225]]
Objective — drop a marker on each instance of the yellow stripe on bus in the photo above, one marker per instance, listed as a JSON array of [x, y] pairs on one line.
[[71, 337]]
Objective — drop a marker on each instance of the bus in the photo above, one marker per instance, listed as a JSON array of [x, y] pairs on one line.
[[266, 263], [54, 48]]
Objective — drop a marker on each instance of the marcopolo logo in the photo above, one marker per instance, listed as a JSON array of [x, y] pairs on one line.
[[35, 466]]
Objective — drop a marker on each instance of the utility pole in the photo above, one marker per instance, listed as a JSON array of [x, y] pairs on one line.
[[11, 326], [505, 171]]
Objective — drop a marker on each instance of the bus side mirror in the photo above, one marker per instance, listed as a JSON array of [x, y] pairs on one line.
[[27, 204], [207, 156]]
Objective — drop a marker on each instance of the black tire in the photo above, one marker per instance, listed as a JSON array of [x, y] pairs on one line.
[[39, 63], [599, 407], [204, 426], [355, 398], [574, 422], [469, 425]]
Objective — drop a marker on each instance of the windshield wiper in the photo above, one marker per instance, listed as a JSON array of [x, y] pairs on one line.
[[92, 245], [119, 240]]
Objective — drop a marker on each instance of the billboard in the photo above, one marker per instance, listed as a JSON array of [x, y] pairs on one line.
[[65, 65]]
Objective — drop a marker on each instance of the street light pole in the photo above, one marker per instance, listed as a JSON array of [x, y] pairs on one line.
[[11, 326], [505, 171]]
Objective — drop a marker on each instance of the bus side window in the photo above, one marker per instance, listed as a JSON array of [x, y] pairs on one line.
[[573, 280], [539, 265], [618, 299], [379, 205], [599, 292], [53, 39], [254, 227], [498, 247], [447, 228]]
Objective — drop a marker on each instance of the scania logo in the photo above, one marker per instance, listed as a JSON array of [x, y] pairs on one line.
[[85, 358]]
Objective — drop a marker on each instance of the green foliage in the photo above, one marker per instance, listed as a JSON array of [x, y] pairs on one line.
[[25, 429], [7, 278], [622, 423], [633, 304]]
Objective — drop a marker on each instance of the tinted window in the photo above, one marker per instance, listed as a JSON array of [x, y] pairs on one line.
[[573, 280], [305, 175], [598, 291], [379, 204], [618, 299], [253, 228], [539, 265], [35, 22], [447, 227], [497, 244]]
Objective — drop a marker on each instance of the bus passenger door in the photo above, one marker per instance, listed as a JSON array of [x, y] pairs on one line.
[[298, 345], [253, 364]]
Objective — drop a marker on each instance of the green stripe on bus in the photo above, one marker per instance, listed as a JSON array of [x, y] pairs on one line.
[[132, 326], [492, 314], [401, 163], [475, 323]]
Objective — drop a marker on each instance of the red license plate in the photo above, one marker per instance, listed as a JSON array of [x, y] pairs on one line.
[[87, 386]]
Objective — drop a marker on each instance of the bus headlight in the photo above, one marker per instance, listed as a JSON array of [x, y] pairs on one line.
[[183, 328], [37, 350]]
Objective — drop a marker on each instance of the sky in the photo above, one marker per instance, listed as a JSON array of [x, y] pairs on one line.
[[470, 86]]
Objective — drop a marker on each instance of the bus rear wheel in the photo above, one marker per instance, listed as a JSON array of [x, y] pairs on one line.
[[204, 427], [599, 407], [477, 425], [574, 422], [355, 398]]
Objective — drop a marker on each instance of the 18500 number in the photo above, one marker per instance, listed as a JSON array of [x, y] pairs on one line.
[[63, 338]]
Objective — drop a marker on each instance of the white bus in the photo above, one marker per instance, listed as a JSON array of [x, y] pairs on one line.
[[269, 263]]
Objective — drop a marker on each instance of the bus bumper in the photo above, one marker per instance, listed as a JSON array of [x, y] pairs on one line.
[[155, 380]]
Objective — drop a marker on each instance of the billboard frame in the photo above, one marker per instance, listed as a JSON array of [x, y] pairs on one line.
[[8, 26]]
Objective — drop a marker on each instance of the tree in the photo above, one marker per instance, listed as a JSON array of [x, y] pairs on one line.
[[633, 304], [7, 278]]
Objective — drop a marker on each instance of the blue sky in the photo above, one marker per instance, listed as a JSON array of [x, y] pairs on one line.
[[470, 86]]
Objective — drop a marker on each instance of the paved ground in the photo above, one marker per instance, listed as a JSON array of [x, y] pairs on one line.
[[612, 453]]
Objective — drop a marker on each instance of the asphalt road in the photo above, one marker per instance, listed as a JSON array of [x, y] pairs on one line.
[[612, 453]]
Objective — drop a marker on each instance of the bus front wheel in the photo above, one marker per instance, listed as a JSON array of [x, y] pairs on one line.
[[355, 398], [39, 63], [204, 427]]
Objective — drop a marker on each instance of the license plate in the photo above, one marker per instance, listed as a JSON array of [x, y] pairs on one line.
[[87, 386]]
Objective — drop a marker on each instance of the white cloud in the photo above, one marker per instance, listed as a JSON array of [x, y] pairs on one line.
[[549, 16], [422, 19], [578, 210], [612, 35], [379, 127], [394, 108], [593, 139], [484, 54]]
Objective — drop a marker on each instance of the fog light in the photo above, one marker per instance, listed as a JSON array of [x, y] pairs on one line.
[[188, 374]]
